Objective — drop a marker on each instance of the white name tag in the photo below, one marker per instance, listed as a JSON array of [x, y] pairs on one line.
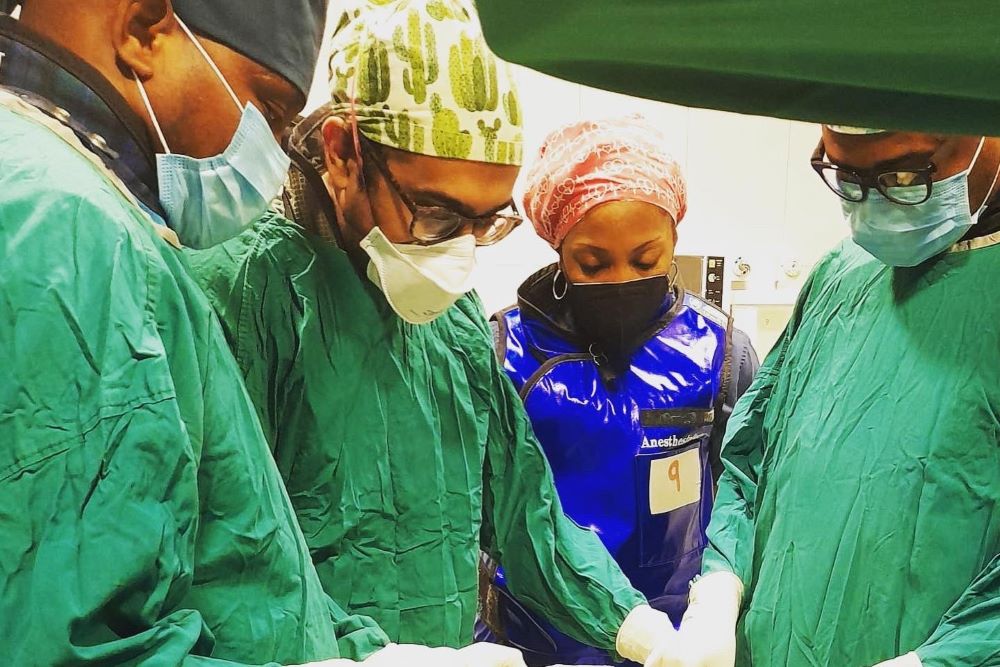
[[674, 482]]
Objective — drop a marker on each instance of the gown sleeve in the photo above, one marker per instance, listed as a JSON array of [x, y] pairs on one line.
[[969, 634], [744, 365], [731, 530], [559, 569], [246, 280], [99, 473], [236, 281]]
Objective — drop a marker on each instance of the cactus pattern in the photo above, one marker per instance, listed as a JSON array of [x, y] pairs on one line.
[[347, 57], [374, 125], [440, 11], [420, 54], [450, 141], [473, 76], [374, 82], [512, 107], [343, 79], [397, 128], [509, 152], [504, 153], [418, 139], [490, 134], [402, 132]]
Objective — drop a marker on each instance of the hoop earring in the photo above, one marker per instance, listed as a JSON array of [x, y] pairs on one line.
[[555, 279]]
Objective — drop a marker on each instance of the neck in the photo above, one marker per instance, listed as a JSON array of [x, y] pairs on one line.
[[71, 90], [77, 29]]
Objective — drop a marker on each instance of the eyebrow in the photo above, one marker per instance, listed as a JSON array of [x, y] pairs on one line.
[[437, 198], [638, 250], [279, 90], [595, 251]]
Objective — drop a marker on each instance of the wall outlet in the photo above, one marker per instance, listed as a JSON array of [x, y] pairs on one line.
[[772, 319]]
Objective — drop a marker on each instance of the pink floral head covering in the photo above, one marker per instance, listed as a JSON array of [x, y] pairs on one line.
[[589, 163]]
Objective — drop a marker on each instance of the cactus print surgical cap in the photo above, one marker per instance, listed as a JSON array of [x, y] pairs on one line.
[[418, 76]]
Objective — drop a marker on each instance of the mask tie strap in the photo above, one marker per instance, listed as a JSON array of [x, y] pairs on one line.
[[979, 150], [355, 132], [149, 110], [555, 279], [989, 191], [211, 63]]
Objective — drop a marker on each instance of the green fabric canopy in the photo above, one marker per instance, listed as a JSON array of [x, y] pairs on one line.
[[921, 65]]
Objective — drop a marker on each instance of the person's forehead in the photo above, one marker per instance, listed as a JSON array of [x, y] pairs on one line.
[[863, 151], [621, 222], [627, 210], [478, 185], [249, 72]]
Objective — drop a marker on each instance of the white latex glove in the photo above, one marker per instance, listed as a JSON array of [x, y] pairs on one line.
[[908, 660], [397, 655], [484, 654], [644, 630], [707, 637], [412, 655]]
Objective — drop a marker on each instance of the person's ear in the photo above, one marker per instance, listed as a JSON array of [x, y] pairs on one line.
[[138, 28], [342, 166]]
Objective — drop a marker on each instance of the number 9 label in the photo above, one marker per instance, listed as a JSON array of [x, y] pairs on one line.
[[674, 482]]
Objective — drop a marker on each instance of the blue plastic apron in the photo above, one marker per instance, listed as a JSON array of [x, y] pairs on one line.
[[629, 457]]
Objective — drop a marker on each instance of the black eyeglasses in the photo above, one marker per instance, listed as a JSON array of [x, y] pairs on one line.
[[433, 224], [907, 187]]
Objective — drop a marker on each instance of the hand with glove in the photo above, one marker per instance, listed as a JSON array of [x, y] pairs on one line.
[[485, 654], [399, 655], [908, 660], [412, 655], [645, 631], [707, 637]]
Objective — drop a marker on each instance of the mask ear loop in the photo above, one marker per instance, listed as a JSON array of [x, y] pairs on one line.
[[356, 134], [996, 176], [672, 276], [975, 158], [211, 63], [149, 110], [555, 280]]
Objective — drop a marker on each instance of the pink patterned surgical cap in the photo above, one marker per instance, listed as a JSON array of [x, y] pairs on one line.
[[590, 163]]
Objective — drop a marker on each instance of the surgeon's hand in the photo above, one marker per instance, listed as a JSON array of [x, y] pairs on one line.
[[645, 631], [707, 637], [412, 655], [485, 654], [398, 655], [908, 660]]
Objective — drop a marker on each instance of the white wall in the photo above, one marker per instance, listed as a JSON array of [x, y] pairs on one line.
[[751, 191], [751, 194]]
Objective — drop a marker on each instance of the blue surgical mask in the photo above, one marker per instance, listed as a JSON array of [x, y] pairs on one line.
[[900, 235], [210, 200]]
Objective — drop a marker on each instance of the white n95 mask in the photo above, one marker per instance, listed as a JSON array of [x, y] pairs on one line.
[[420, 282]]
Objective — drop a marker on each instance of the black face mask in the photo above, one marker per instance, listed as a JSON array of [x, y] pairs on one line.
[[612, 316]]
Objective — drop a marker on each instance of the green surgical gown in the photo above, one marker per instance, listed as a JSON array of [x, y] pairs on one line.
[[400, 445], [142, 520], [859, 502]]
